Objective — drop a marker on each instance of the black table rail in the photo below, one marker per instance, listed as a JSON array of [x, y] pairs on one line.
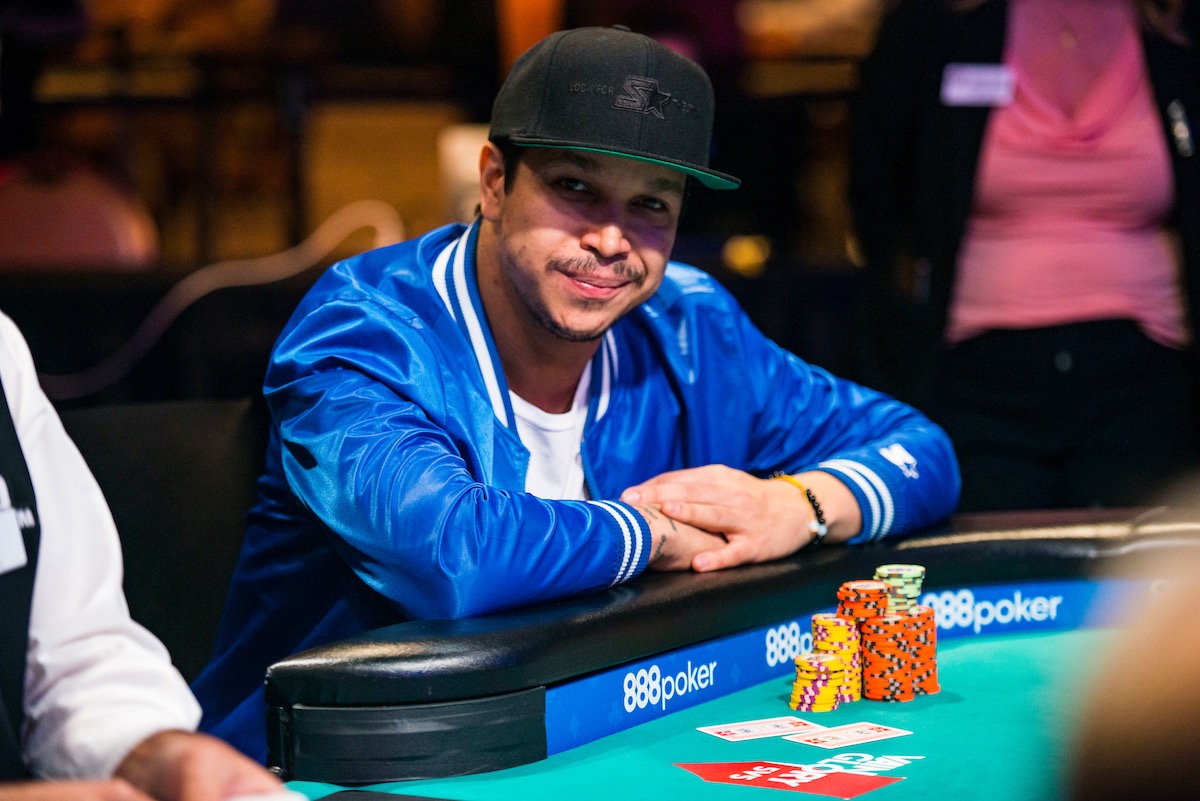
[[426, 699]]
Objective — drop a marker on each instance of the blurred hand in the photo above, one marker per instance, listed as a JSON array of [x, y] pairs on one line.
[[181, 766], [112, 790], [757, 520]]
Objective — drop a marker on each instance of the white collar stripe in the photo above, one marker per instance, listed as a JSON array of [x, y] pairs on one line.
[[608, 363], [475, 333], [440, 267]]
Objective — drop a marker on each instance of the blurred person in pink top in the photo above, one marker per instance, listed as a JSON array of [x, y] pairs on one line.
[[1026, 192]]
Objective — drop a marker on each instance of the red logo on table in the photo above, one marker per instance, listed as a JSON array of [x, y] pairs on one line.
[[841, 776]]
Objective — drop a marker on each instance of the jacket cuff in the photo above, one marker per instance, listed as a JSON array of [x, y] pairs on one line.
[[633, 540], [873, 494]]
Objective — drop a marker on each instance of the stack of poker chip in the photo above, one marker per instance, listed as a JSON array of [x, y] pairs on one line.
[[837, 635], [905, 581], [887, 667], [819, 678], [880, 644], [862, 600], [924, 651]]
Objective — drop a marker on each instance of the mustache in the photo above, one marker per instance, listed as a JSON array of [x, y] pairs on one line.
[[585, 266]]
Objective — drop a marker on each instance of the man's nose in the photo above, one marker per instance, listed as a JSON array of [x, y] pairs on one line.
[[607, 240]]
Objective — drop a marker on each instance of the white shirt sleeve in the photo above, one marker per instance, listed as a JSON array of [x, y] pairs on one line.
[[96, 682]]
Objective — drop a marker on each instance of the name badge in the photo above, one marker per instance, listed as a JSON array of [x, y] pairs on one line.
[[977, 85], [12, 544]]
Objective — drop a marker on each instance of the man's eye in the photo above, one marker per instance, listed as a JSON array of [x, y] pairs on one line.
[[572, 185]]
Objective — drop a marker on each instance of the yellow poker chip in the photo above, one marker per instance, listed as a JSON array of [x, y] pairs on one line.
[[812, 680], [835, 635], [820, 661], [831, 646], [819, 674]]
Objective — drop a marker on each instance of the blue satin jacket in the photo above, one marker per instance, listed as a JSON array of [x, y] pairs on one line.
[[394, 486]]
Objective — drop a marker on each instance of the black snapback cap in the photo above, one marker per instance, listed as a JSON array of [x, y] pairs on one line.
[[609, 90]]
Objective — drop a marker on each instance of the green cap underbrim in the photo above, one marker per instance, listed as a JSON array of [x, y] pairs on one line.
[[709, 178]]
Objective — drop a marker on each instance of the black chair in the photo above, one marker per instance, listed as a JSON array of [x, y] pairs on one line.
[[179, 477]]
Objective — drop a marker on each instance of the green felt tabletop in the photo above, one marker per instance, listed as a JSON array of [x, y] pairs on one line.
[[997, 730]]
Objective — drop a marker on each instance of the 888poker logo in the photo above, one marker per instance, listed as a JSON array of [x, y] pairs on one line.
[[783, 643], [987, 609], [1025, 607]]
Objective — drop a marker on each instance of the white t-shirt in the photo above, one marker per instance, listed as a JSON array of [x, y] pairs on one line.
[[96, 682], [555, 465]]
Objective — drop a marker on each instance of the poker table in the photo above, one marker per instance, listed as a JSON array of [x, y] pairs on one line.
[[604, 696]]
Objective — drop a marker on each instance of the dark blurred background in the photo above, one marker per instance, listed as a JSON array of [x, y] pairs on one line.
[[144, 141]]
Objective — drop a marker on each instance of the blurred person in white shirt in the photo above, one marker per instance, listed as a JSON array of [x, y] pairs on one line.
[[90, 704]]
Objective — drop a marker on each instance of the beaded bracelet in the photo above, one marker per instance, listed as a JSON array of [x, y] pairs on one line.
[[816, 526]]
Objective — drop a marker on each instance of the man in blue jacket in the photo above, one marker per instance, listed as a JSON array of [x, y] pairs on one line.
[[540, 404]]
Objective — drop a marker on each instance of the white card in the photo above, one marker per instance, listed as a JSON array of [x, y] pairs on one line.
[[978, 85], [850, 734], [12, 544], [766, 727]]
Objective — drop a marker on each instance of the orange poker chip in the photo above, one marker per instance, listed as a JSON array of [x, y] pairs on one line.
[[863, 586], [924, 646], [863, 599], [887, 654]]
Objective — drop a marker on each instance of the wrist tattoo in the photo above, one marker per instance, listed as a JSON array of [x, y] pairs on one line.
[[650, 513]]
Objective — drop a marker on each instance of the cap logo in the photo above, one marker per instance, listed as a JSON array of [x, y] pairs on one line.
[[643, 95]]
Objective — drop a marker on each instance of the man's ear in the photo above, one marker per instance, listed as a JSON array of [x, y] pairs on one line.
[[491, 182]]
